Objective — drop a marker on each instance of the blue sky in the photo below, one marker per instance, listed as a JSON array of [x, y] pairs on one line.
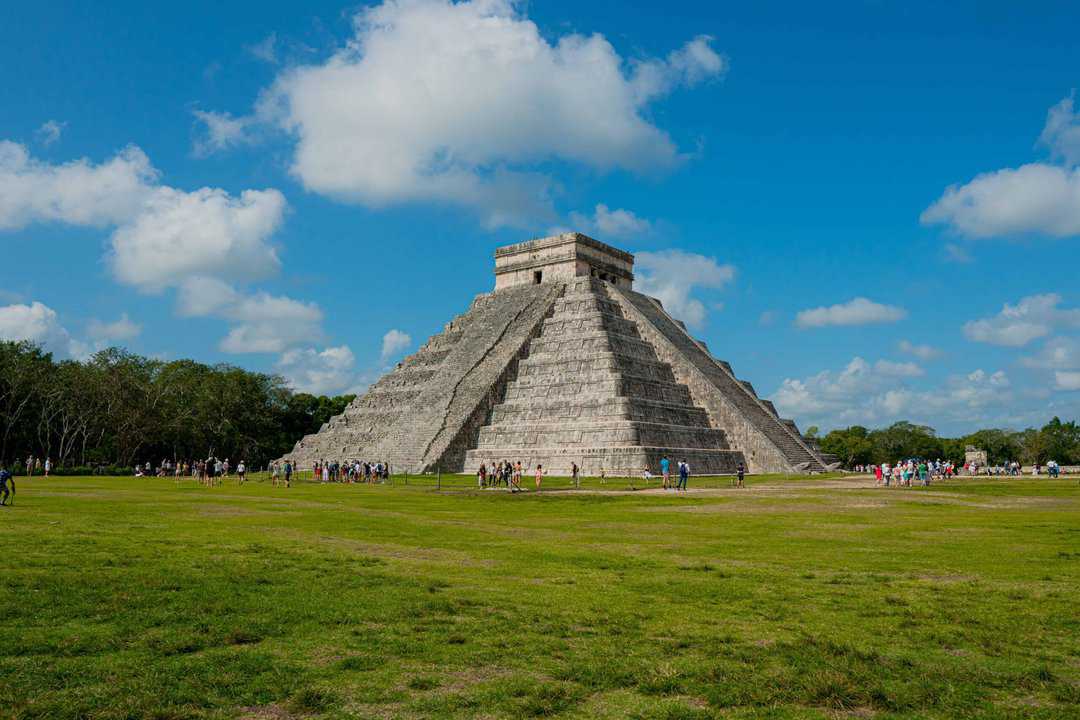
[[313, 189]]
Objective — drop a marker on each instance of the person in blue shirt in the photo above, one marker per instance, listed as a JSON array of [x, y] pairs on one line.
[[5, 478], [665, 471]]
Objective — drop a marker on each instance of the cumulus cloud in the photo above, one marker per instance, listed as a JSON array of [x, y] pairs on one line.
[[433, 100], [177, 234], [1059, 353], [50, 132], [76, 193], [38, 323], [221, 131], [120, 329], [162, 235], [261, 322], [1037, 198], [1061, 134], [673, 275], [881, 393], [923, 352], [1034, 198], [319, 372], [268, 323], [608, 223], [1033, 317], [858, 311], [393, 343]]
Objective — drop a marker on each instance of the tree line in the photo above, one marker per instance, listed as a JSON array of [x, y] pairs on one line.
[[856, 445], [119, 408]]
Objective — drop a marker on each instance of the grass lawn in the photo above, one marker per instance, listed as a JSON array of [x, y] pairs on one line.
[[796, 598]]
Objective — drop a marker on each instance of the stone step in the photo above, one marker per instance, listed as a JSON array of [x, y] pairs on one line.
[[613, 461], [619, 407], [573, 391], [622, 432]]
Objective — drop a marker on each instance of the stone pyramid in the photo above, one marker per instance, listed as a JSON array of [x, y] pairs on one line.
[[563, 363]]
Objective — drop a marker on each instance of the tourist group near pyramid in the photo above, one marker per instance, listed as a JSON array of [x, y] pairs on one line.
[[563, 363]]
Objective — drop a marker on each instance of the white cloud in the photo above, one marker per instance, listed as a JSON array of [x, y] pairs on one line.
[[393, 343], [76, 193], [1059, 353], [261, 322], [325, 372], [858, 311], [608, 223], [222, 131], [1066, 380], [1037, 198], [120, 329], [163, 235], [206, 232], [957, 254], [265, 49], [1062, 132], [50, 132], [200, 296], [673, 275], [270, 324], [433, 100], [38, 323], [879, 394], [1034, 198], [923, 352], [1033, 317]]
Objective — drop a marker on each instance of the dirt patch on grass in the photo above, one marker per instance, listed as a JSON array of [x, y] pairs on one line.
[[266, 712]]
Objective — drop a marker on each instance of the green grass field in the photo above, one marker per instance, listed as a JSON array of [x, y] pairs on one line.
[[796, 598]]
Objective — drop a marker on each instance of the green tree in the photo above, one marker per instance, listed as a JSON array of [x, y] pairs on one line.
[[851, 445]]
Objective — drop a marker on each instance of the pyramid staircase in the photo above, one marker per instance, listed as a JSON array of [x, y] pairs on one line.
[[770, 443], [592, 392], [425, 414]]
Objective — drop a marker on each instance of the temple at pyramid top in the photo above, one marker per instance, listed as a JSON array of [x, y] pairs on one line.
[[561, 258]]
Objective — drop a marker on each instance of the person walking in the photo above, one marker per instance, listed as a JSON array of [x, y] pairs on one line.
[[539, 475], [5, 478], [48, 466], [741, 472], [684, 475], [241, 472], [574, 472], [288, 473]]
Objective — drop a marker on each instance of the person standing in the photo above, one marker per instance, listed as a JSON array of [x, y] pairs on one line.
[[574, 472], [241, 472], [48, 466], [5, 478], [539, 475], [665, 471], [684, 475], [741, 472], [288, 473], [30, 466]]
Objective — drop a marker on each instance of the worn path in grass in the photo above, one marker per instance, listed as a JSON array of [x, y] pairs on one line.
[[799, 597]]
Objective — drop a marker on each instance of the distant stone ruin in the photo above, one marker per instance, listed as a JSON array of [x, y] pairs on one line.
[[563, 363], [976, 456]]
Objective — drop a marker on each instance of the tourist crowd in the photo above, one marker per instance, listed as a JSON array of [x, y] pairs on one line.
[[350, 471]]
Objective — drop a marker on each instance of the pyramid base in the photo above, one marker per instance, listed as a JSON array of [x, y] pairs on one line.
[[612, 461]]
